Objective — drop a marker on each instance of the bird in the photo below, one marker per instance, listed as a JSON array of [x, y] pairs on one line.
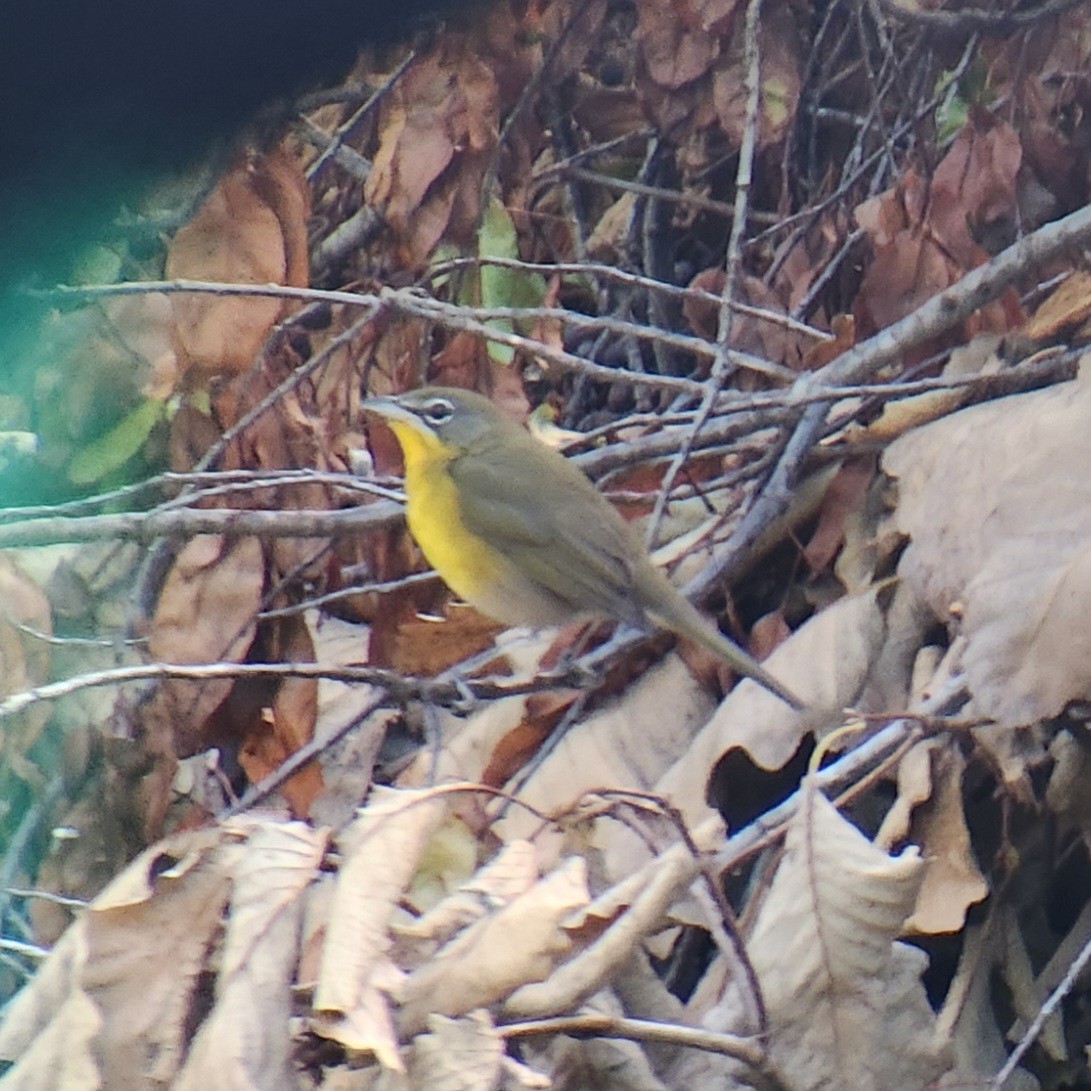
[[521, 533]]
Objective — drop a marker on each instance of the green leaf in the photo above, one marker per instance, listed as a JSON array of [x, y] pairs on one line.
[[502, 287], [114, 448]]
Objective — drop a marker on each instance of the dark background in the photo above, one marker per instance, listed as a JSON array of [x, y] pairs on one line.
[[98, 98]]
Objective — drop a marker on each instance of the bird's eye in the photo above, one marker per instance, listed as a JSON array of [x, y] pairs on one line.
[[438, 411]]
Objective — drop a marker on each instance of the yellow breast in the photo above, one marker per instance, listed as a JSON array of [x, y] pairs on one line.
[[466, 563]]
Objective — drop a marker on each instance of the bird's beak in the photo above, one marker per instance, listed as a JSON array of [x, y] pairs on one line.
[[390, 408]]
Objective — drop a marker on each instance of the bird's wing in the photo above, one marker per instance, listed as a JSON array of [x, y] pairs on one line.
[[551, 522]]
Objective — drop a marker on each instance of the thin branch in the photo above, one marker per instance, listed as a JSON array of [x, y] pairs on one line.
[[1039, 1021], [721, 364], [336, 142], [404, 301], [934, 317], [147, 527], [635, 280], [399, 687], [598, 1025], [977, 19]]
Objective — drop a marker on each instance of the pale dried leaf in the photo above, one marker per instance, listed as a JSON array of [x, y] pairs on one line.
[[242, 1044], [518, 1076], [914, 787], [348, 763], [512, 872], [995, 500], [447, 862], [646, 895], [968, 1020], [462, 1054], [826, 660], [382, 849], [143, 1034], [521, 942], [368, 1028], [1066, 793], [952, 880], [846, 1007], [48, 1027], [628, 744], [1027, 993], [605, 1064], [62, 1055]]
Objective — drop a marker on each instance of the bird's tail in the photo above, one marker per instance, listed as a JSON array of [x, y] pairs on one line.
[[675, 612]]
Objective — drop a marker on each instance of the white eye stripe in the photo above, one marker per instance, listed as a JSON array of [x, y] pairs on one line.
[[437, 411]]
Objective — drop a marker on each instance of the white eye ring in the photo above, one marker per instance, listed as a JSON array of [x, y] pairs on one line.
[[437, 411]]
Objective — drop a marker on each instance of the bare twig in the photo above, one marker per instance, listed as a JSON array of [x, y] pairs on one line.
[[146, 527], [448, 315], [721, 364], [1053, 1001], [398, 687], [932, 318], [976, 19], [597, 1025]]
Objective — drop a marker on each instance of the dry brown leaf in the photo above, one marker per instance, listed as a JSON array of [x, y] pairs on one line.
[[205, 614], [844, 496], [762, 337], [1069, 304], [251, 229], [845, 1003], [974, 186], [672, 53], [521, 942], [469, 743], [952, 879], [995, 502], [428, 645], [512, 872], [920, 231], [287, 721], [242, 1043], [780, 79], [463, 1054], [690, 73], [826, 660], [49, 1027], [438, 125], [628, 744], [382, 849], [125, 1027]]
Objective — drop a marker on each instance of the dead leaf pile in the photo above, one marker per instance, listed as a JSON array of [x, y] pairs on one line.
[[609, 217], [385, 978]]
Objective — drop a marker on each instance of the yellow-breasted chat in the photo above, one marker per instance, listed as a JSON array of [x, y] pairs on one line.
[[521, 534]]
